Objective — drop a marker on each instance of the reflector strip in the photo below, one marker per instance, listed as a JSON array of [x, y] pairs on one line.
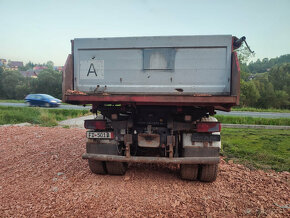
[[208, 127], [95, 124]]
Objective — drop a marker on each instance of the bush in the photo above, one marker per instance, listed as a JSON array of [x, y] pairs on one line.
[[14, 86], [9, 82], [47, 119]]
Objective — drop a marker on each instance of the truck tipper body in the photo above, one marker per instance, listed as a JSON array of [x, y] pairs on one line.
[[154, 99]]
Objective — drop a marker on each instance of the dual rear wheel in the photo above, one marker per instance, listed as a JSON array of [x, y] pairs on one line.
[[204, 172], [110, 167]]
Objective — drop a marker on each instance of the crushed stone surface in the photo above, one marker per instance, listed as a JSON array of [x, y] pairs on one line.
[[42, 175]]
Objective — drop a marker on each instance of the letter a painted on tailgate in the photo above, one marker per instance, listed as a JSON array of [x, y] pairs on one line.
[[92, 71]]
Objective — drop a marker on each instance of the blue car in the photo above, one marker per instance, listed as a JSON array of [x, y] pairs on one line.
[[42, 100]]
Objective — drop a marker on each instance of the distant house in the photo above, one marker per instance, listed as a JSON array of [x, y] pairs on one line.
[[30, 73], [3, 62], [58, 68], [39, 67], [15, 65]]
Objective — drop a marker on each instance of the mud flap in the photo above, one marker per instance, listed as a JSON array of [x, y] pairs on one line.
[[96, 148], [190, 151]]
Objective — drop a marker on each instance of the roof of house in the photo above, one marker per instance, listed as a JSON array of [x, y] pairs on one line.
[[16, 64], [30, 73], [39, 67]]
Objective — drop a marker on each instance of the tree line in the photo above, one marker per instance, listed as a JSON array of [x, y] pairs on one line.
[[266, 83], [261, 66], [13, 85]]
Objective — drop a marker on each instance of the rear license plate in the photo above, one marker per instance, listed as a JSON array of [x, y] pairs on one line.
[[99, 135], [205, 138]]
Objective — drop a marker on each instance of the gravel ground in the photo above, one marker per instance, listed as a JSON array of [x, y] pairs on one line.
[[42, 174]]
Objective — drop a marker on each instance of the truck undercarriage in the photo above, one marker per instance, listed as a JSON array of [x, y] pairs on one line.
[[154, 134]]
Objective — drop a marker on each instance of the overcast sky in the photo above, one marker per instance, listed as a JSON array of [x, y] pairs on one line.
[[41, 30]]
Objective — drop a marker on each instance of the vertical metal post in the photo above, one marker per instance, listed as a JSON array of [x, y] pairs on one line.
[[170, 151], [128, 141], [127, 150], [170, 143]]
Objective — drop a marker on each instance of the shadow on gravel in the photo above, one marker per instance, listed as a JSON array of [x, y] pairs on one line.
[[154, 169]]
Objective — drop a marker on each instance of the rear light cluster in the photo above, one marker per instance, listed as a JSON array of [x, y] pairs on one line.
[[187, 118], [95, 124], [208, 127]]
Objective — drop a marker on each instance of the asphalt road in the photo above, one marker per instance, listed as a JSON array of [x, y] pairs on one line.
[[232, 113], [63, 106]]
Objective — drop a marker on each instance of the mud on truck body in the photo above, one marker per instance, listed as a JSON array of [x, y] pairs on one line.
[[154, 98]]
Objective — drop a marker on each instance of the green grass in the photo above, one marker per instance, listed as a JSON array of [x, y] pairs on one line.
[[260, 109], [66, 127], [41, 116], [253, 120], [11, 101], [258, 148]]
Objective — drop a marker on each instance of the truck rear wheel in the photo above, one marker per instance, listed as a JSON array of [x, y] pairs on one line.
[[189, 171], [116, 168], [208, 172], [97, 167]]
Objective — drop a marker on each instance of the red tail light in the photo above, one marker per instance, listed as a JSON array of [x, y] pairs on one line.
[[95, 124], [208, 127]]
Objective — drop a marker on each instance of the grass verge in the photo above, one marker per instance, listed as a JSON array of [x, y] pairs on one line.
[[260, 109], [258, 148], [41, 116], [253, 120], [11, 101]]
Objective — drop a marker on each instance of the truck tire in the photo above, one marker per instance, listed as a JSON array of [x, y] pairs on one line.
[[208, 172], [189, 171], [97, 167], [116, 168]]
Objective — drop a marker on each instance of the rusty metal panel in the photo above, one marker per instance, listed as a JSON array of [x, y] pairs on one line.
[[154, 100], [67, 76], [148, 140], [173, 65], [141, 159]]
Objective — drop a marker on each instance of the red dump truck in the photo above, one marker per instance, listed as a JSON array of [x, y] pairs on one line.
[[154, 99]]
